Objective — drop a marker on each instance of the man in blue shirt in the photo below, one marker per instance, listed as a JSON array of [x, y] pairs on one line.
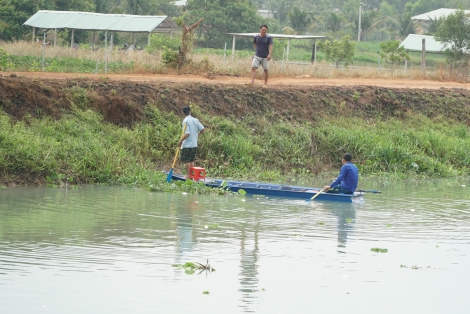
[[264, 48], [347, 180], [188, 142]]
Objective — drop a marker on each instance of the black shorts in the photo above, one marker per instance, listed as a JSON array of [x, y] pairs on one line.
[[339, 189], [188, 154]]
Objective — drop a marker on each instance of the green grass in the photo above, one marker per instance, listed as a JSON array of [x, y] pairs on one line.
[[64, 64], [84, 148]]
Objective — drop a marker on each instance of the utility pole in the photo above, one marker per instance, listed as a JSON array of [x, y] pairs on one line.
[[359, 26]]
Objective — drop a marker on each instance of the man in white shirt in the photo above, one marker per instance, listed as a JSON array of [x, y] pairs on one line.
[[188, 142]]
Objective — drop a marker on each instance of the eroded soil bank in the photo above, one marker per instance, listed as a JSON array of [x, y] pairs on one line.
[[122, 102]]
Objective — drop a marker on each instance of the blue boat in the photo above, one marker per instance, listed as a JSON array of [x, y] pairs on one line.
[[277, 190]]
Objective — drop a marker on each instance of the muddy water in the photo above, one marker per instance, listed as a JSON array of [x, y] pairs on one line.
[[112, 250]]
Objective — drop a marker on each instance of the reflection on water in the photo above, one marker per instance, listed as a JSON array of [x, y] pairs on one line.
[[110, 249], [183, 216], [346, 215], [248, 265]]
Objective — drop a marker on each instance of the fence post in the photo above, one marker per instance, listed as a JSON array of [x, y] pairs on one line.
[[225, 51], [378, 56], [423, 56], [106, 52]]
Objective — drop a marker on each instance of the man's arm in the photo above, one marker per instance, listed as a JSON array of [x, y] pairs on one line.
[[342, 174], [185, 136], [270, 51]]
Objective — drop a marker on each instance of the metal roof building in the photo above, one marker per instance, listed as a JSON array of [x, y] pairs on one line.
[[180, 3], [436, 14], [414, 42], [100, 22]]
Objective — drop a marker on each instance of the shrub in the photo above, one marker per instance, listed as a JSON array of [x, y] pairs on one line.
[[162, 42], [3, 59]]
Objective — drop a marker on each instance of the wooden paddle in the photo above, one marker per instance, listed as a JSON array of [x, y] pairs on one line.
[[313, 197], [170, 173]]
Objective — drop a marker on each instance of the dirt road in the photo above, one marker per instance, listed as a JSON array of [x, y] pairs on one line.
[[273, 82]]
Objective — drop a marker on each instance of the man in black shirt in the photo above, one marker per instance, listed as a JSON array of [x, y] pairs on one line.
[[264, 48]]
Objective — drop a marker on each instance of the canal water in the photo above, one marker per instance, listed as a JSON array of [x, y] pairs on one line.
[[100, 249]]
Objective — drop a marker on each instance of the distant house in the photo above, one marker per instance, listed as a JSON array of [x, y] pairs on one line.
[[414, 42], [426, 18], [180, 3], [436, 14], [266, 13]]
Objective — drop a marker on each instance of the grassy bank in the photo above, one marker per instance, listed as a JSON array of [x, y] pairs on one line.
[[264, 141]]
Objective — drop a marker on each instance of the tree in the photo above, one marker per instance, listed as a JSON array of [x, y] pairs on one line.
[[13, 13], [423, 6], [338, 50], [405, 25], [166, 7], [222, 17], [187, 40], [280, 9], [299, 19], [138, 7], [454, 33], [387, 10], [399, 5], [368, 22], [3, 59], [433, 25], [393, 53], [333, 22]]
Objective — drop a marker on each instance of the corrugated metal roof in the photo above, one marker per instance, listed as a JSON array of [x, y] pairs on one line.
[[180, 3], [436, 14], [99, 21], [277, 36], [414, 42]]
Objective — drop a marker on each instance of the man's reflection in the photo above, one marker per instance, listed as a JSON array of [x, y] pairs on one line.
[[249, 267], [182, 213], [346, 215]]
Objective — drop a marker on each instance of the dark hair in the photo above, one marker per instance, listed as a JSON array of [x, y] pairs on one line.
[[186, 110], [264, 25], [347, 157]]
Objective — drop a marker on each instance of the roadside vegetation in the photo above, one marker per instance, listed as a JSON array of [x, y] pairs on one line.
[[27, 57]]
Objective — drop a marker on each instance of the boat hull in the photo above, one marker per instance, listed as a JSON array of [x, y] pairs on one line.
[[276, 190]]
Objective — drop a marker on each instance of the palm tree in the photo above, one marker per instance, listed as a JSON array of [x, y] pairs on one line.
[[433, 25], [280, 11], [138, 7], [333, 22], [405, 25], [299, 19], [368, 22]]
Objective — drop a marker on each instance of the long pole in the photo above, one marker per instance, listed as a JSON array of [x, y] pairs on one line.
[[378, 55], [359, 26], [225, 51], [233, 46]]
